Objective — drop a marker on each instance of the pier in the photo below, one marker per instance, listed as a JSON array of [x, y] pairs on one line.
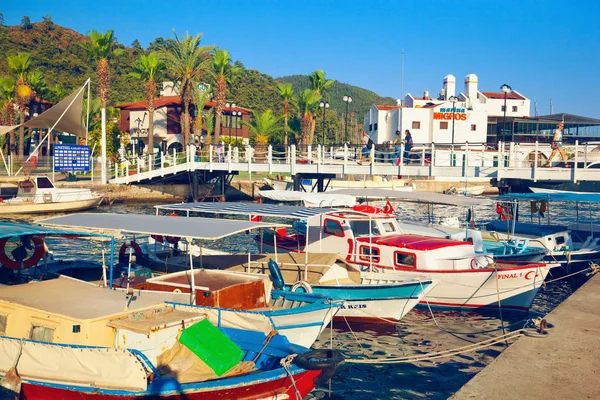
[[563, 365]]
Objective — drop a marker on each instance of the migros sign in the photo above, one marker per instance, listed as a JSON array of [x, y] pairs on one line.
[[446, 114]]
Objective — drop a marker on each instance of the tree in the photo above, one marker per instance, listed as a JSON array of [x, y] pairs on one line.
[[47, 19], [223, 72], [200, 100], [309, 101], [100, 47], [7, 98], [209, 124], [56, 93], [319, 85], [186, 61], [286, 92], [20, 65], [150, 67], [136, 45], [1, 19], [261, 125], [26, 23]]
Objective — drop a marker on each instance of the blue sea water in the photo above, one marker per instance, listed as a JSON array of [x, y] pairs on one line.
[[420, 332]]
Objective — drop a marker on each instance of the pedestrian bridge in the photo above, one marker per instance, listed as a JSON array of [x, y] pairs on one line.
[[460, 162]]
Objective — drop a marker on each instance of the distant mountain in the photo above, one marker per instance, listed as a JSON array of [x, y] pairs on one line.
[[362, 99]]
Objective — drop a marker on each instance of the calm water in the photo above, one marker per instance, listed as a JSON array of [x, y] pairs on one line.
[[417, 334]]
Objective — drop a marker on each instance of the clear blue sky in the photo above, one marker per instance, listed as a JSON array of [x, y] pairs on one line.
[[544, 49]]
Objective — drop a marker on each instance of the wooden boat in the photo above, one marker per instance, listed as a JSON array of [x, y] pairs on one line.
[[37, 194], [108, 351]]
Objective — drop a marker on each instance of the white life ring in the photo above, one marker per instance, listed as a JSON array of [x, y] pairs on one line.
[[301, 284]]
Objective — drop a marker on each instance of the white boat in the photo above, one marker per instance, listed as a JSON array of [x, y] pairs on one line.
[[334, 184], [38, 194]]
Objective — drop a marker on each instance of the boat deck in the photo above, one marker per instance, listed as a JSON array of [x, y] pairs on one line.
[[563, 365]]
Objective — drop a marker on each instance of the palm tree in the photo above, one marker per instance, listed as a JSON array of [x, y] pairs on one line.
[[39, 92], [286, 92], [20, 66], [319, 85], [7, 97], [309, 101], [149, 67], [262, 128], [56, 93], [187, 61], [200, 100], [209, 124], [223, 72], [100, 48]]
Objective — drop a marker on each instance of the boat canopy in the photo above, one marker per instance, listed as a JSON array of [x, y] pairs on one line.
[[9, 229], [196, 228], [555, 196], [266, 210], [310, 199], [416, 197], [526, 229]]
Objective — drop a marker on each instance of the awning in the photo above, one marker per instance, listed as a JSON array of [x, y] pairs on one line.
[[555, 196], [417, 197], [310, 199], [266, 210], [9, 229], [196, 228]]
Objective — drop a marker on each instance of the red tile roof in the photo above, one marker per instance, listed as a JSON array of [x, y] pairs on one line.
[[500, 95], [385, 107], [172, 101]]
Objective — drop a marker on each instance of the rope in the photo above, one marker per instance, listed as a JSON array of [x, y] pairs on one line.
[[593, 268], [266, 342], [285, 363]]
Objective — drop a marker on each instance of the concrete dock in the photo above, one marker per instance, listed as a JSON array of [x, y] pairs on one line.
[[563, 365]]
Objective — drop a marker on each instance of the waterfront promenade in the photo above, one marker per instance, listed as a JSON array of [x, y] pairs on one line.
[[563, 365]]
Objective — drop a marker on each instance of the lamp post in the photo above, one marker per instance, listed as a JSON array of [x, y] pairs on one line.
[[236, 114], [324, 105], [506, 89], [139, 122], [347, 99], [453, 100]]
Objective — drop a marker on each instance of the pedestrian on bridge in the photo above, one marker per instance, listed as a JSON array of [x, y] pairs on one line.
[[557, 146]]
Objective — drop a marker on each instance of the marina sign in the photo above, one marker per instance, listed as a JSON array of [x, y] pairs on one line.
[[446, 114], [69, 157]]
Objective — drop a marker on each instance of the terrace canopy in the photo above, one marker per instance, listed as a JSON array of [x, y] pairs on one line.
[[9, 229], [266, 210], [555, 196]]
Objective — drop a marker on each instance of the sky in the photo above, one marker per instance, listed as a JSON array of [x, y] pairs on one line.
[[546, 50]]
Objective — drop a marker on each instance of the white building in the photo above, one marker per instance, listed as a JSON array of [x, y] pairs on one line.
[[431, 120]]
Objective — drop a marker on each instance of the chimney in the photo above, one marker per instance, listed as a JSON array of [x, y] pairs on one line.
[[426, 95], [398, 102], [471, 86], [449, 86]]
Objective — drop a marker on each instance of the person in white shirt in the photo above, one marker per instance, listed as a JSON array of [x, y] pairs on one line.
[[557, 146], [366, 150]]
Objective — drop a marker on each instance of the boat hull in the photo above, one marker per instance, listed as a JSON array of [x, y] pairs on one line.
[[42, 208]]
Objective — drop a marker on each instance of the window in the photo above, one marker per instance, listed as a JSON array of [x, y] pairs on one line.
[[333, 228], [375, 126], [405, 259], [502, 108], [367, 252], [388, 227], [3, 321], [515, 108], [44, 183], [473, 127], [416, 125], [361, 228], [41, 333], [443, 124], [370, 127]]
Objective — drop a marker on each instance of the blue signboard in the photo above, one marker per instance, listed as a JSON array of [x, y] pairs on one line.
[[69, 157]]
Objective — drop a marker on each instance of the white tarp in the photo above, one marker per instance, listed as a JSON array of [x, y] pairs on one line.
[[68, 113], [310, 199], [103, 368]]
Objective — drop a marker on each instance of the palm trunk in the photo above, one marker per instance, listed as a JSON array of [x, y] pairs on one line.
[[186, 123], [311, 136], [285, 129], [104, 175], [21, 133], [151, 137], [217, 127]]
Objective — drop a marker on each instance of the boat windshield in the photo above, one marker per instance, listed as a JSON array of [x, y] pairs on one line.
[[361, 228], [44, 183]]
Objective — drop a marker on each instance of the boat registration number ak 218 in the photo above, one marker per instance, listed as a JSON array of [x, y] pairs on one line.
[[352, 306]]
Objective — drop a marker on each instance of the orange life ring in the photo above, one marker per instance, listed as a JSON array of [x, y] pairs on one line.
[[124, 256], [37, 255], [170, 239], [367, 209]]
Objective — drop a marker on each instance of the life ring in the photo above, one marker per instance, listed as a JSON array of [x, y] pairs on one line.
[[474, 263], [367, 209], [326, 360], [301, 284], [171, 239], [124, 255], [37, 255]]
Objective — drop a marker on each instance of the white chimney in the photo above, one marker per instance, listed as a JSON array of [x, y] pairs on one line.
[[471, 86], [426, 95], [398, 102], [449, 86]]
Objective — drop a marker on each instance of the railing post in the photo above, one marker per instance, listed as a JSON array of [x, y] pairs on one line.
[[150, 161], [229, 158], [210, 157], [293, 159], [423, 156], [483, 154], [174, 159], [511, 149], [309, 154], [331, 154], [585, 160], [138, 169], [270, 158], [466, 163], [319, 154], [535, 161], [432, 161], [401, 162], [576, 161], [345, 158], [116, 172], [236, 155], [500, 160], [162, 165]]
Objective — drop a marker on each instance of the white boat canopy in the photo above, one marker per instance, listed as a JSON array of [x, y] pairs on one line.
[[310, 199], [416, 197], [196, 228], [266, 210]]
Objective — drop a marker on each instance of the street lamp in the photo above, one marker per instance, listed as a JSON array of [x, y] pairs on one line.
[[506, 89], [139, 122], [324, 106], [347, 100], [453, 100], [236, 114]]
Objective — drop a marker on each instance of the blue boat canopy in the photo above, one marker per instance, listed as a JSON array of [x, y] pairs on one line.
[[526, 229], [11, 229], [555, 196]]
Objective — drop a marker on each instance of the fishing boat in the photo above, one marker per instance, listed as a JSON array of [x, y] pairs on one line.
[[38, 194], [375, 244], [131, 345], [287, 184]]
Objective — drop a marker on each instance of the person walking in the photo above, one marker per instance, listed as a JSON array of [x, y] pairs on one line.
[[367, 146], [397, 148], [557, 146], [408, 145]]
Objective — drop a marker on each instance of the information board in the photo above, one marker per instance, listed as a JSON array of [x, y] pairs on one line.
[[70, 157]]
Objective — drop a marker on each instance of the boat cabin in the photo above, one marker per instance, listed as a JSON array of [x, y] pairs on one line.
[[41, 189]]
